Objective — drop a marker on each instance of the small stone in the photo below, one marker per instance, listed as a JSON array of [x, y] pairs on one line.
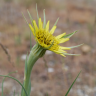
[[23, 57], [32, 88], [50, 70], [86, 48], [79, 92]]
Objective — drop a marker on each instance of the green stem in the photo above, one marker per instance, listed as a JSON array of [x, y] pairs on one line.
[[36, 52]]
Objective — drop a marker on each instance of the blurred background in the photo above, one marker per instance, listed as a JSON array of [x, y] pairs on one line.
[[53, 74]]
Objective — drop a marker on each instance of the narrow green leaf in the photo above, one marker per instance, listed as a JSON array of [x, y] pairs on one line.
[[71, 54], [25, 19], [17, 81], [26, 65], [18, 94], [29, 88], [44, 19], [47, 94], [75, 46], [30, 17], [72, 84], [30, 41], [14, 93], [37, 12], [56, 22], [25, 72], [22, 90], [69, 35], [4, 80]]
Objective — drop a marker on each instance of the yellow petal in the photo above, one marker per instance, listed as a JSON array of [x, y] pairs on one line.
[[63, 40], [53, 29], [58, 52], [35, 25], [32, 29], [47, 26], [63, 55], [62, 51], [40, 23], [59, 36]]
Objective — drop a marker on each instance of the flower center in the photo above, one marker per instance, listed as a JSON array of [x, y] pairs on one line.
[[46, 39]]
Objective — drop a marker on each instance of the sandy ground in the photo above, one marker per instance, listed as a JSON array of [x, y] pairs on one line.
[[55, 78]]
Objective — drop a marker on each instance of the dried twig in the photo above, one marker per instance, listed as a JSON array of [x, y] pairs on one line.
[[5, 50]]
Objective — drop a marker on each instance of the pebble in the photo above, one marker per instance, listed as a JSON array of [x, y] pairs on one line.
[[50, 70], [23, 57], [80, 92], [86, 48], [32, 88]]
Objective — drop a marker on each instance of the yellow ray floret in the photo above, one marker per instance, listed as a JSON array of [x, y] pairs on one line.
[[61, 35], [32, 29], [53, 29], [45, 37], [63, 40], [35, 25], [47, 26], [40, 23]]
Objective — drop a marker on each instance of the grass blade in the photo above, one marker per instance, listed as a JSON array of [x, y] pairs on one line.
[[17, 81], [29, 88], [14, 93], [44, 19], [25, 72], [75, 46], [18, 94], [30, 42], [72, 54], [25, 19], [30, 17], [37, 12], [4, 80], [72, 84], [69, 35], [56, 22]]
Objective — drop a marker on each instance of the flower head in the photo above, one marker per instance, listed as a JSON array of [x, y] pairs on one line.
[[45, 38]]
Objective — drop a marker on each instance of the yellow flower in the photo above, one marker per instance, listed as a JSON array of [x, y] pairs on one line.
[[45, 41], [45, 38]]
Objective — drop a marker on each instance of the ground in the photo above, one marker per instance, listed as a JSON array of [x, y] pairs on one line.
[[53, 74]]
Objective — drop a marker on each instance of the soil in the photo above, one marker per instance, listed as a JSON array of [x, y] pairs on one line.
[[53, 74]]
